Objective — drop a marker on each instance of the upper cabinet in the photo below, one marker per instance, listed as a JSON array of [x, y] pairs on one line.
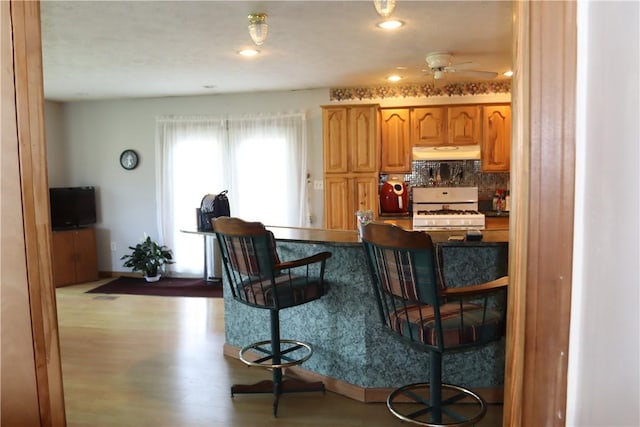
[[496, 138], [428, 126], [404, 128], [350, 138], [395, 134], [464, 125], [334, 134]]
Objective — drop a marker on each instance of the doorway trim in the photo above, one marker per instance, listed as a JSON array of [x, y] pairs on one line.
[[541, 253]]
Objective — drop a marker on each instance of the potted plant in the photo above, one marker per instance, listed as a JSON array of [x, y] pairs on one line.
[[148, 257]]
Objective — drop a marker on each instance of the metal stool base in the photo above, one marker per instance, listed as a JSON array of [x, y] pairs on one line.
[[411, 403], [278, 385]]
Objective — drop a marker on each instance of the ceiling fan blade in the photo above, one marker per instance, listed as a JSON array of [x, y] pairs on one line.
[[474, 73], [462, 66]]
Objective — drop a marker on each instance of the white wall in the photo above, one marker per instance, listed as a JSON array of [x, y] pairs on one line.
[[56, 143], [604, 355], [85, 140]]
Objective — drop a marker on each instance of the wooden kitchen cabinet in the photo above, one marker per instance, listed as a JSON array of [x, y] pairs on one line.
[[395, 140], [428, 126], [351, 163], [464, 125], [74, 256], [496, 223], [350, 139], [496, 138], [344, 196]]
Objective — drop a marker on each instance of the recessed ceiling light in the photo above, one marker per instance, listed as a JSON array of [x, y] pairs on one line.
[[508, 73], [390, 24], [394, 78], [248, 52]]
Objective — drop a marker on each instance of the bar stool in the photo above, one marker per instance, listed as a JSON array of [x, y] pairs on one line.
[[415, 308], [258, 278]]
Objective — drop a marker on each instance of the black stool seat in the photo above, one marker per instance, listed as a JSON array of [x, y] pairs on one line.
[[258, 278]]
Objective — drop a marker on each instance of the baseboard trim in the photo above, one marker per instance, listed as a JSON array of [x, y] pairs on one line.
[[493, 395]]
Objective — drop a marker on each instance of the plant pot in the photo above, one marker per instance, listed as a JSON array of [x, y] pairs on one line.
[[152, 278]]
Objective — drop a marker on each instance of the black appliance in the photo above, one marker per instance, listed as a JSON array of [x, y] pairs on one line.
[[212, 206]]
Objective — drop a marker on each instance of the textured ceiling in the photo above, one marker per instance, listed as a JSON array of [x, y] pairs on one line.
[[121, 49]]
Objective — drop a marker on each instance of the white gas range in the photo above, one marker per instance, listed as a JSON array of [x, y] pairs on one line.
[[446, 208]]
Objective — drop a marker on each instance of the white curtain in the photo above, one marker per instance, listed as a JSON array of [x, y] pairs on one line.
[[190, 161], [260, 160], [268, 157]]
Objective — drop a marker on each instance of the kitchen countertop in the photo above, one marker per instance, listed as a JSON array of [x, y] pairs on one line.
[[318, 235], [491, 214], [348, 237]]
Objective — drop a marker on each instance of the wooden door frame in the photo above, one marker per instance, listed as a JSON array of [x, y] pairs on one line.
[[541, 250], [543, 173], [32, 391]]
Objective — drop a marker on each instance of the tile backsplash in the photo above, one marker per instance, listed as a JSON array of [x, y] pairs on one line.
[[458, 173]]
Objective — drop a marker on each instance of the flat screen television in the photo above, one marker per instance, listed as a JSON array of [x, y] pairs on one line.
[[72, 207]]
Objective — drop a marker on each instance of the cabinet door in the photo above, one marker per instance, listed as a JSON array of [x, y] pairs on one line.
[[86, 258], [395, 130], [63, 257], [464, 125], [496, 138], [428, 126], [365, 192], [344, 195], [362, 138], [335, 141], [336, 202]]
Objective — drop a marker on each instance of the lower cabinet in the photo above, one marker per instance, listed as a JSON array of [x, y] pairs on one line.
[[344, 195], [74, 255]]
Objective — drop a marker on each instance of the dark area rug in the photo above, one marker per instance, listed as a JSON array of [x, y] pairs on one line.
[[166, 287]]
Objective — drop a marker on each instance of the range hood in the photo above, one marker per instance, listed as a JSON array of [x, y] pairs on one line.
[[447, 152]]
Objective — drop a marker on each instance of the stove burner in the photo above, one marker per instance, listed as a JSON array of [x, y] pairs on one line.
[[448, 212]]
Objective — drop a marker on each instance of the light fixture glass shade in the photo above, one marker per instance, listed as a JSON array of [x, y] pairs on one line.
[[390, 24], [258, 27], [384, 7]]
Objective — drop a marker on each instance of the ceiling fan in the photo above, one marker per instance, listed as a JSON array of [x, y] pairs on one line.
[[441, 65]]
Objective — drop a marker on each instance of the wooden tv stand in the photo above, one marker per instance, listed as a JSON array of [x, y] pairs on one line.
[[74, 254]]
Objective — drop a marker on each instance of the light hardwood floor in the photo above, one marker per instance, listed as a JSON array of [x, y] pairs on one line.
[[132, 360]]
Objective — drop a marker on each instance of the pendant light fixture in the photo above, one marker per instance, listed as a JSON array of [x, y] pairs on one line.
[[258, 27], [384, 7]]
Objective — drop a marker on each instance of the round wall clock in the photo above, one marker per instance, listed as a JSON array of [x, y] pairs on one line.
[[129, 159]]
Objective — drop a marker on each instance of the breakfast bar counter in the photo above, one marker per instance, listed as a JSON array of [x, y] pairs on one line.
[[340, 237], [353, 355]]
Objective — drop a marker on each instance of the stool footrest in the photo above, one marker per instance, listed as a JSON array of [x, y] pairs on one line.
[[286, 347], [458, 406]]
